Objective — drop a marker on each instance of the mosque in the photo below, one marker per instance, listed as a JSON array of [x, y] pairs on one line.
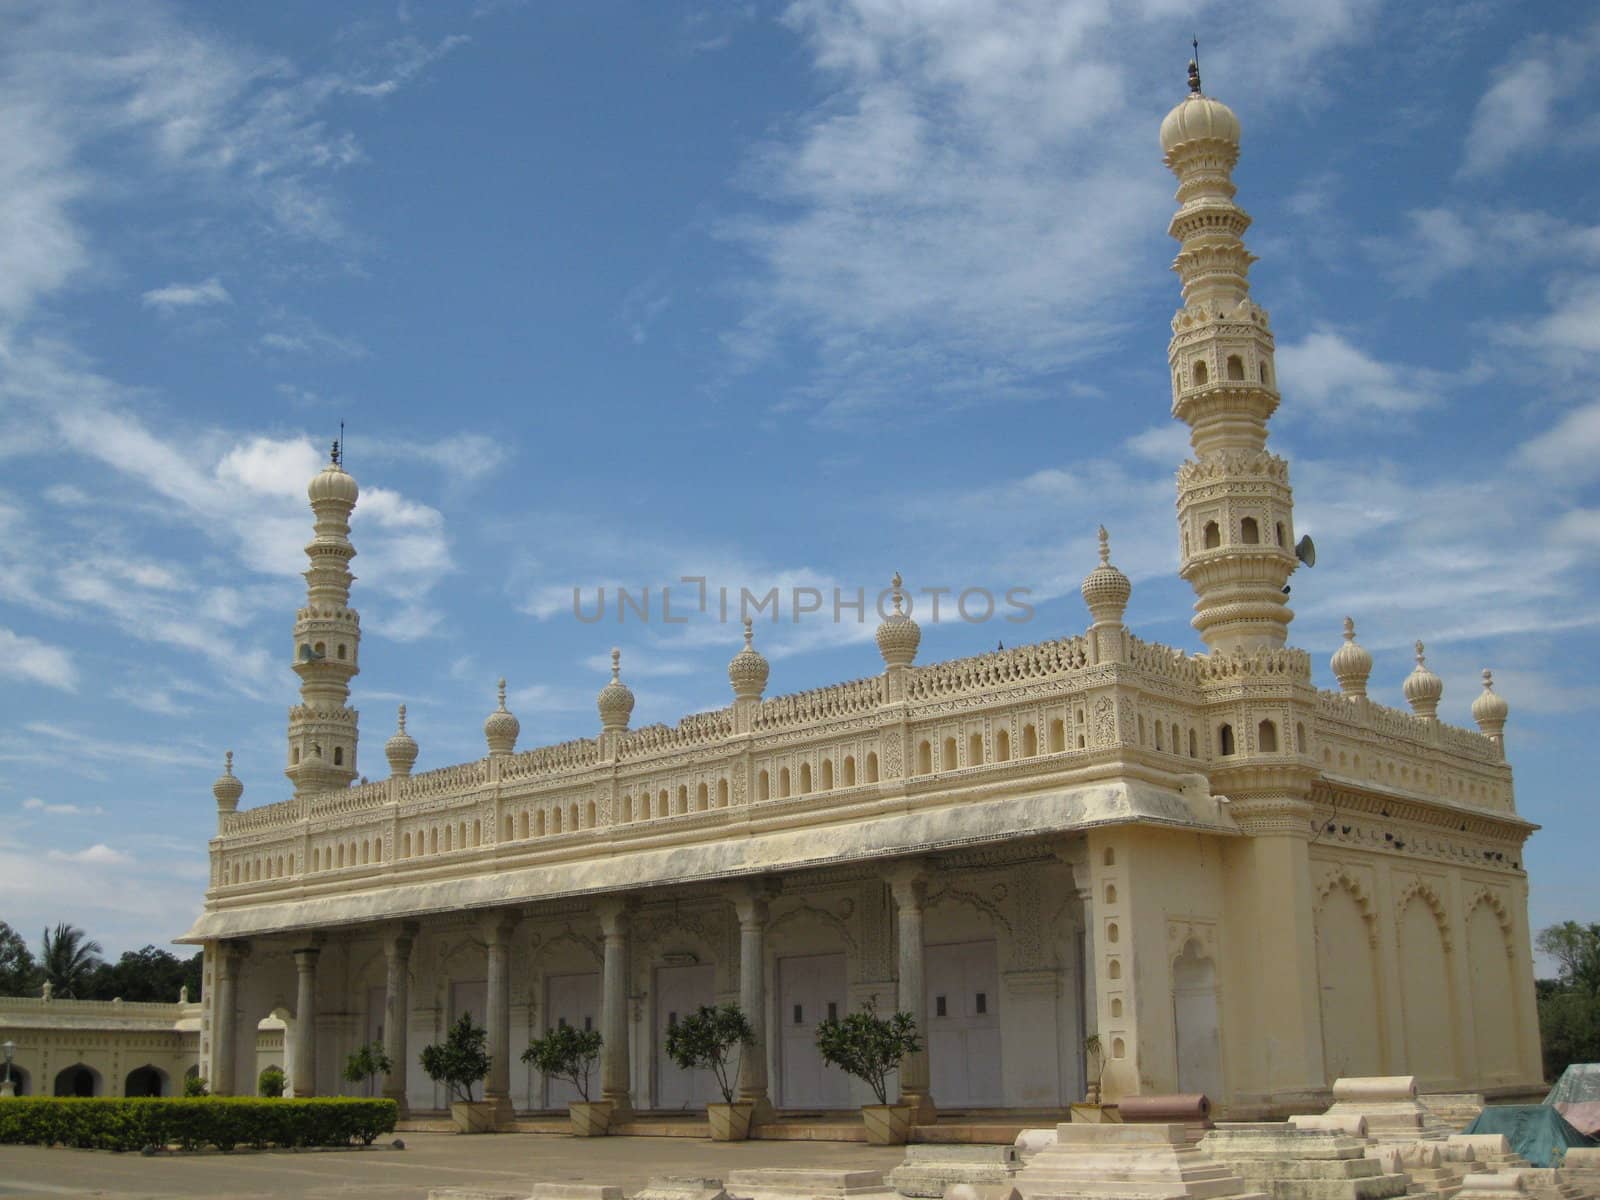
[[1094, 866]]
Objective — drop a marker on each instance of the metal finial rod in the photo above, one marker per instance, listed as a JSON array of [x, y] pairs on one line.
[[1194, 67]]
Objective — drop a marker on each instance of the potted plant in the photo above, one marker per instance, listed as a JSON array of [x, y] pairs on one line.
[[271, 1082], [868, 1046], [704, 1039], [366, 1064], [1094, 1061], [569, 1053], [459, 1062]]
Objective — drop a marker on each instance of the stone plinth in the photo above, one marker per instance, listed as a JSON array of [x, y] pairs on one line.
[[1302, 1164], [475, 1194], [1351, 1124], [800, 1183], [681, 1187], [575, 1191], [1493, 1187], [1451, 1111], [929, 1169], [1388, 1103], [1148, 1162]]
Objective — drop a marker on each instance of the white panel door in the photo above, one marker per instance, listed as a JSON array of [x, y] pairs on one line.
[[679, 992], [963, 1024], [471, 996], [374, 1033], [571, 1000], [810, 988]]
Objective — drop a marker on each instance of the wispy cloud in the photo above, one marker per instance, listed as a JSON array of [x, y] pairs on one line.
[[34, 804], [28, 658], [1526, 108], [187, 295]]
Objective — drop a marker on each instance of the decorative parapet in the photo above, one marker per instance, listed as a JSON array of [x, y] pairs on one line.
[[575, 755], [1392, 723], [349, 800], [441, 782], [998, 668], [820, 704], [268, 816], [697, 729], [1153, 658], [1285, 663]]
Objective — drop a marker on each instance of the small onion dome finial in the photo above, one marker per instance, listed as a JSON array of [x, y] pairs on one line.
[[401, 749], [1194, 77], [502, 728], [1423, 689], [898, 635], [333, 482], [615, 701], [1351, 664], [227, 789], [1490, 709], [1106, 590], [748, 670]]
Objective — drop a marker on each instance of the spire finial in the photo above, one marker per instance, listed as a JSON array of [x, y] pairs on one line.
[[898, 599], [616, 664], [1194, 68], [1105, 547], [749, 632], [502, 696], [1349, 629], [1488, 680], [1421, 659], [402, 718], [227, 759]]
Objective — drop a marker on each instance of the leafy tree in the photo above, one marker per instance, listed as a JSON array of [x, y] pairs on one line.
[[69, 961], [271, 1082], [566, 1053], [17, 969], [1569, 1006], [149, 975], [868, 1046], [195, 1085], [1576, 949], [460, 1060], [367, 1063], [704, 1039]]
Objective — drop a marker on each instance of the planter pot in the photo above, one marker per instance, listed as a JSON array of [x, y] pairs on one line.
[[590, 1118], [887, 1124], [1096, 1114], [476, 1116], [730, 1122]]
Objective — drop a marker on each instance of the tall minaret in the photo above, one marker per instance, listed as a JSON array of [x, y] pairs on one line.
[[327, 643], [1235, 509]]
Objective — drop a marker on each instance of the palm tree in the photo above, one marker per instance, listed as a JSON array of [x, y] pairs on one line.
[[68, 961]]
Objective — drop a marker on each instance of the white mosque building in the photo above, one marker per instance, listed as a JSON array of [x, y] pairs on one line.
[[1238, 883]]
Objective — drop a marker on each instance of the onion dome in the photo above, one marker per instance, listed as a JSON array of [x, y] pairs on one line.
[[898, 635], [748, 670], [1423, 689], [615, 701], [1490, 710], [401, 749], [1105, 589], [333, 482], [1351, 664], [227, 789], [1198, 118], [501, 728]]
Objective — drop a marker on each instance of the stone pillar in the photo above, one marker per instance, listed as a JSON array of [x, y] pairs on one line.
[[303, 1063], [909, 885], [614, 916], [751, 905], [397, 1010], [225, 1018], [497, 930]]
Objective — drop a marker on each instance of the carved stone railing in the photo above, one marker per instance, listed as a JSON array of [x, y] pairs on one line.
[[349, 800], [1284, 662], [460, 778], [1153, 658], [98, 1008], [698, 729], [820, 704], [999, 668], [575, 755], [268, 816], [1384, 722]]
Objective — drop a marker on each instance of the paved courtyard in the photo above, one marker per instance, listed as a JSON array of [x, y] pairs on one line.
[[430, 1160]]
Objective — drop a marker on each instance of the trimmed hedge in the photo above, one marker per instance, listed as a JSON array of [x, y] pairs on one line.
[[192, 1123]]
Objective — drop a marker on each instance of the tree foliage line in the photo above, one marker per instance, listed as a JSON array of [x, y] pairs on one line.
[[72, 964], [1569, 1005]]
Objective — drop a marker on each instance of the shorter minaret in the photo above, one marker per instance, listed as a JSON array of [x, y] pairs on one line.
[[401, 749], [615, 701], [327, 641], [1352, 665], [227, 789], [501, 727], [1490, 711], [1423, 689], [748, 669], [898, 635], [1106, 591]]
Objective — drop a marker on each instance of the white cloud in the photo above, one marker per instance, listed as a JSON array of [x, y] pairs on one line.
[[34, 804], [29, 659], [1521, 113], [1568, 335], [187, 295], [1330, 378], [1443, 242], [1569, 452], [271, 466], [461, 456], [99, 854]]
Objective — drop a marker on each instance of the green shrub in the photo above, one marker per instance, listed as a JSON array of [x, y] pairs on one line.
[[705, 1038], [566, 1052], [271, 1082], [367, 1063], [460, 1060], [195, 1085], [868, 1046], [192, 1123]]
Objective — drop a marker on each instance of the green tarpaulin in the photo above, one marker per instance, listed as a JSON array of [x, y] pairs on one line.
[[1536, 1131]]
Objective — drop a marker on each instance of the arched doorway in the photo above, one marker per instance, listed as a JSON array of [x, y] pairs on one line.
[[78, 1080], [1196, 1023], [21, 1081], [146, 1081]]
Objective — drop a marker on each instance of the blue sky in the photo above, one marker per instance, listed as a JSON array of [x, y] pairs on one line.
[[777, 295]]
